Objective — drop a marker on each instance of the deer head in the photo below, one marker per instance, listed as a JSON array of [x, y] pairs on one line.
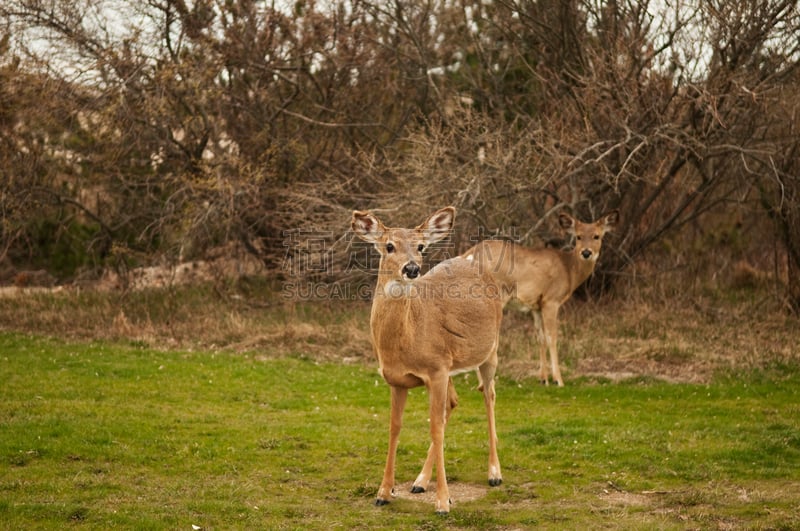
[[588, 236], [401, 249]]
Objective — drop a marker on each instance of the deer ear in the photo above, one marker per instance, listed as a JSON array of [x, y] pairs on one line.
[[610, 220], [438, 225], [367, 227], [566, 222]]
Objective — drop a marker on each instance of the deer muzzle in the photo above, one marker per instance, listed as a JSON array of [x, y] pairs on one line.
[[411, 270]]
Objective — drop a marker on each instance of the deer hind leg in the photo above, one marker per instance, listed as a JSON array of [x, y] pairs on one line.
[[550, 329], [424, 477], [486, 373], [386, 490], [541, 337]]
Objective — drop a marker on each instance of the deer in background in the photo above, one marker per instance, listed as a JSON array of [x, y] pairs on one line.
[[424, 330], [544, 279]]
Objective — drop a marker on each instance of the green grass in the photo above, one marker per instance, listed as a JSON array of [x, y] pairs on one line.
[[99, 435]]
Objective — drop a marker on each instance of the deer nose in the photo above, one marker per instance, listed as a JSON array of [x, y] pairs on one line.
[[411, 270], [586, 254]]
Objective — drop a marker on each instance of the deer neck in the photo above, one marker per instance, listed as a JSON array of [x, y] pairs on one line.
[[390, 289], [578, 268], [392, 307]]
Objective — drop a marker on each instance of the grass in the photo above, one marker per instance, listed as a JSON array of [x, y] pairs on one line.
[[229, 407], [118, 433]]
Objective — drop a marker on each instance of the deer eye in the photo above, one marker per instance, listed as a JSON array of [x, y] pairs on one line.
[[389, 248], [578, 238], [420, 247], [596, 237]]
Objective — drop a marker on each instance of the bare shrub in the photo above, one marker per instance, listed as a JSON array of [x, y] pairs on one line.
[[192, 125]]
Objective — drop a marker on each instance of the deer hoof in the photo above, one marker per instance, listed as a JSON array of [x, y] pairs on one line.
[[494, 482], [445, 511], [416, 489], [380, 503]]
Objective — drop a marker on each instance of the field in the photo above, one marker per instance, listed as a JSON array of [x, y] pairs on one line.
[[226, 415]]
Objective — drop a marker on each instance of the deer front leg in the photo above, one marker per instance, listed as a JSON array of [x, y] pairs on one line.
[[424, 477], [486, 372], [386, 490], [542, 340], [437, 392], [550, 328]]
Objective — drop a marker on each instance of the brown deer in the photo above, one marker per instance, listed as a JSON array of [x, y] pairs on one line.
[[544, 279], [425, 328]]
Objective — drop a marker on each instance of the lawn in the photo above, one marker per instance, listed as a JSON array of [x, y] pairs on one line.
[[120, 434]]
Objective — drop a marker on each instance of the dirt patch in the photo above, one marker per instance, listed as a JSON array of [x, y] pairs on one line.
[[17, 291], [626, 499], [459, 492]]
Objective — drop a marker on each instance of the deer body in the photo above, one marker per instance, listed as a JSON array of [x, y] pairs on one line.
[[409, 326], [426, 328], [544, 279]]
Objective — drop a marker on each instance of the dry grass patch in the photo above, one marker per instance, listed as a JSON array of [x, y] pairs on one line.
[[615, 340], [250, 317], [677, 343]]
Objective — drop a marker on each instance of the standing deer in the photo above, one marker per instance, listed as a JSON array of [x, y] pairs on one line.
[[424, 330], [544, 279]]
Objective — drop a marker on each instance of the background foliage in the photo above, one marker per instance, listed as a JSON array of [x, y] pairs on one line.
[[140, 131]]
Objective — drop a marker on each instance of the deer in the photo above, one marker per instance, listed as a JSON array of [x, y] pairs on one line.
[[545, 278], [425, 329]]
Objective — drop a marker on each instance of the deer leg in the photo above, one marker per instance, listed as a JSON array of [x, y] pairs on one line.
[[437, 392], [486, 372], [550, 323], [424, 477], [541, 338], [386, 491]]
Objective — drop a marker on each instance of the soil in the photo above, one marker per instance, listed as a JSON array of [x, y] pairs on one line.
[[459, 492]]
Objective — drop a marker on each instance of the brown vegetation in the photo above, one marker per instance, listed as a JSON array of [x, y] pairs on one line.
[[688, 337], [135, 133]]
